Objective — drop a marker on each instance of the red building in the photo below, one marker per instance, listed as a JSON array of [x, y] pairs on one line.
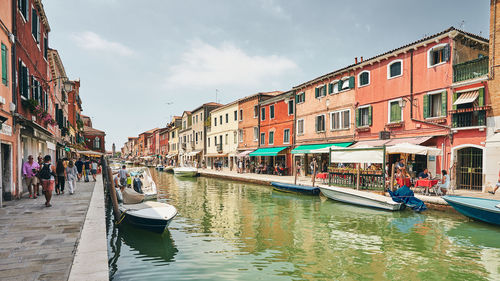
[[163, 135], [276, 134], [94, 139]]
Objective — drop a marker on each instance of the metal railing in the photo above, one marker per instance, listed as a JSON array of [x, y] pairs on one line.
[[469, 119], [470, 69], [219, 147], [368, 179]]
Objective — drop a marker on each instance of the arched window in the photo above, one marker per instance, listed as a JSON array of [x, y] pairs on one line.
[[395, 69], [97, 143], [364, 78]]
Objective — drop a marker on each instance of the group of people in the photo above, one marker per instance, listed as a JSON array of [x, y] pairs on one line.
[[443, 185], [122, 179], [54, 177]]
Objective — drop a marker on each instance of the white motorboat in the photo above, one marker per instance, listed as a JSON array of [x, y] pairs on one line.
[[185, 171], [150, 215], [361, 198], [148, 184]]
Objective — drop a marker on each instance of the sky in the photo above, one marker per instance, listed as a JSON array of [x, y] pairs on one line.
[[142, 62]]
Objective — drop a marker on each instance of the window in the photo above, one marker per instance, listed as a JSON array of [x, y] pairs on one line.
[[263, 114], [215, 140], [45, 46], [271, 112], [364, 116], [35, 25], [255, 133], [340, 120], [23, 7], [23, 81], [220, 119], [290, 107], [300, 127], [196, 121], [240, 132], [262, 138], [5, 69], [395, 111], [227, 138], [208, 142], [97, 143], [235, 137], [215, 121], [320, 123], [364, 78], [300, 98], [235, 115], [333, 87], [241, 114], [346, 83], [395, 69], [255, 111], [286, 136], [435, 104], [320, 91], [227, 118], [438, 54], [271, 138]]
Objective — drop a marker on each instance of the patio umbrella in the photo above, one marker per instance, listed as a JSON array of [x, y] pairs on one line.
[[413, 149]]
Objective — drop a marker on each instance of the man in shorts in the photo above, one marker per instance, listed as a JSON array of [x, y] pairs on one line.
[[93, 169], [30, 168], [79, 168], [123, 175]]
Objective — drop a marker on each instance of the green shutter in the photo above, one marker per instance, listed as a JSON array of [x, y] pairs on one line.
[[316, 92], [330, 88], [370, 115], [357, 117], [303, 96], [351, 82], [444, 103], [426, 106], [4, 65], [339, 86], [480, 98], [455, 96], [296, 99]]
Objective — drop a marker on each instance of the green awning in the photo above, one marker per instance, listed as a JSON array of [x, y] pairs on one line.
[[269, 151], [302, 149]]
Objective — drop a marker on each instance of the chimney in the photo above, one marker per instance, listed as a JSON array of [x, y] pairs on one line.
[[361, 59], [356, 60]]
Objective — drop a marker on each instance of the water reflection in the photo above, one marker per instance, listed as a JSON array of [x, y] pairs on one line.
[[229, 230]]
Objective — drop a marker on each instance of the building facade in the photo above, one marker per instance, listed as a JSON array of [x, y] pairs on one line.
[[186, 143], [200, 118]]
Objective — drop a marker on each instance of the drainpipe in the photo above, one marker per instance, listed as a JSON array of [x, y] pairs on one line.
[[492, 67], [411, 83]]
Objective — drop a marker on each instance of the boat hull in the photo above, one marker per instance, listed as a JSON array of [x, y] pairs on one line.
[[355, 197], [153, 225], [475, 212], [183, 172], [309, 190]]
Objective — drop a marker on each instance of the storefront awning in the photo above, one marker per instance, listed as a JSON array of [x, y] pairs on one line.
[[268, 151], [216, 154], [193, 153], [245, 153], [467, 97], [375, 143], [308, 148]]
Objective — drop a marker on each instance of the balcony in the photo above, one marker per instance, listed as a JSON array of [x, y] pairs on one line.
[[183, 146], [219, 147], [469, 119], [470, 69]]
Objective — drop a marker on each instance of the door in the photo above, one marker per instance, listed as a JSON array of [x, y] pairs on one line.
[[470, 168]]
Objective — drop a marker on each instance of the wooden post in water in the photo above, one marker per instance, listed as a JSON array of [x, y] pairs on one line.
[[112, 192], [314, 171], [357, 176], [391, 184]]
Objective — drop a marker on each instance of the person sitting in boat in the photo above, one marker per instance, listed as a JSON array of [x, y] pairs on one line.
[[424, 174], [445, 182], [138, 184]]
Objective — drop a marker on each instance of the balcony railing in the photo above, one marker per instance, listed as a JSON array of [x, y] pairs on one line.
[[470, 69], [469, 119], [219, 147]]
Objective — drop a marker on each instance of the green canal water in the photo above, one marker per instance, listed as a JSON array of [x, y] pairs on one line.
[[230, 230]]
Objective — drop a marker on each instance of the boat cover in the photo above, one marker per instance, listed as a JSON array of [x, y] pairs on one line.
[[132, 197], [405, 195]]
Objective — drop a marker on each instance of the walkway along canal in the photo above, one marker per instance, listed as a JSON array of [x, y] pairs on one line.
[[229, 230]]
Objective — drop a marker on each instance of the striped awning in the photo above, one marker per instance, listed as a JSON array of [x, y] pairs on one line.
[[467, 97]]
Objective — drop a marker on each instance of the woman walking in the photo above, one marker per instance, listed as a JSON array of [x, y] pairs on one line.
[[48, 177], [71, 175], [61, 177]]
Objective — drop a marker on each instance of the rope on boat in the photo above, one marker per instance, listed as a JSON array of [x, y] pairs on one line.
[[121, 218]]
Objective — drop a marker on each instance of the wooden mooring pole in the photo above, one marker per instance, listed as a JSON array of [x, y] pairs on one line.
[[112, 193]]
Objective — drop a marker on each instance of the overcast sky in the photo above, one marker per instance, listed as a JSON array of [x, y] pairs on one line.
[[140, 62]]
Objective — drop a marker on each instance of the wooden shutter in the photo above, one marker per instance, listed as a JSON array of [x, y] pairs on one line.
[[330, 88], [297, 98], [426, 106], [446, 53], [480, 98], [316, 92], [317, 124], [357, 118], [370, 115], [303, 96], [351, 82], [339, 85], [34, 24], [455, 96], [4, 64], [444, 103]]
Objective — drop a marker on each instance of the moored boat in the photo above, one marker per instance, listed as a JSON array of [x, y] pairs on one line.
[[482, 209], [169, 169], [287, 187], [148, 184], [185, 171], [361, 198], [159, 167], [152, 216]]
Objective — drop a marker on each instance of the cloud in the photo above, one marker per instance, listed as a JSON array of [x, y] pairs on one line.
[[275, 9], [92, 41], [204, 65]]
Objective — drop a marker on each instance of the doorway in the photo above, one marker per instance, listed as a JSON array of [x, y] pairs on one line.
[[5, 168], [470, 168]]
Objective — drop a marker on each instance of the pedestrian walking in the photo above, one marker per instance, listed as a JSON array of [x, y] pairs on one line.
[[87, 165], [30, 169], [61, 177], [71, 176], [48, 177], [123, 175], [93, 169], [79, 168]]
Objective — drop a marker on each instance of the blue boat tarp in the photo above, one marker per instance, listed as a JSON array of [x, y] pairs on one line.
[[406, 196], [296, 188]]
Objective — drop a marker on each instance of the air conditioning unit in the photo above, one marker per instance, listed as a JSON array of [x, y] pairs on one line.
[[384, 135]]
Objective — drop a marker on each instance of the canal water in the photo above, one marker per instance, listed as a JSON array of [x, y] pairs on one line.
[[229, 230]]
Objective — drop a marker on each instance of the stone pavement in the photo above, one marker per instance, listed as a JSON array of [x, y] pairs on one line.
[[39, 243]]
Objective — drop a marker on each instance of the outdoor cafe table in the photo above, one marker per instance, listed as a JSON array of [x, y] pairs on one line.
[[322, 176], [426, 183], [407, 182]]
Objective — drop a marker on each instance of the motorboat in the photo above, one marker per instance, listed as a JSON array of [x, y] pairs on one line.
[[149, 215], [148, 184], [185, 171], [482, 209], [361, 198], [304, 189], [169, 169], [159, 167]]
